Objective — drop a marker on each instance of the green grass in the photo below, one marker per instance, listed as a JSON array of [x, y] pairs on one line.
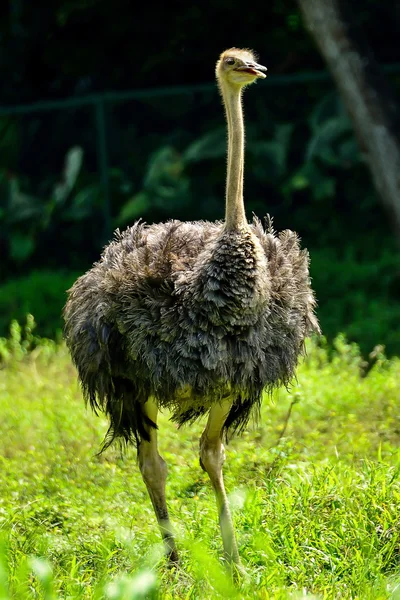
[[317, 515]]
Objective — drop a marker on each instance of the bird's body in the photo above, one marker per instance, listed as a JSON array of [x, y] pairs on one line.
[[195, 317], [189, 314]]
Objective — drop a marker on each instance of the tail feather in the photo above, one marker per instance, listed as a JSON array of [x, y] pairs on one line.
[[95, 350]]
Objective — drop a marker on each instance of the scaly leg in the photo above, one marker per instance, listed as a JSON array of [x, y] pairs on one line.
[[212, 457], [154, 473]]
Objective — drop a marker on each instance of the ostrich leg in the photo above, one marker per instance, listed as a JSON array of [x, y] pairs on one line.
[[154, 473], [212, 457]]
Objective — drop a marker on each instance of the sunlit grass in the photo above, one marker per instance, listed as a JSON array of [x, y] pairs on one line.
[[317, 515]]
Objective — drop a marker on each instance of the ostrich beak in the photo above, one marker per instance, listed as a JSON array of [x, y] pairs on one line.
[[254, 69]]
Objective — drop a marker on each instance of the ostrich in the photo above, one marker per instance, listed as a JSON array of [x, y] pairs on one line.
[[197, 317]]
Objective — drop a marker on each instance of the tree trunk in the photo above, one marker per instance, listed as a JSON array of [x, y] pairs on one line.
[[365, 90]]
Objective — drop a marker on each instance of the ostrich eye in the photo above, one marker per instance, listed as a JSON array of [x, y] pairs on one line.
[[230, 61]]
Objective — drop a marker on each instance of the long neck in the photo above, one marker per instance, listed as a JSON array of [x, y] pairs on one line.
[[235, 216]]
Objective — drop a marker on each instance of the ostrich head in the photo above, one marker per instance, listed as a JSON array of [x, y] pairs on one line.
[[239, 67]]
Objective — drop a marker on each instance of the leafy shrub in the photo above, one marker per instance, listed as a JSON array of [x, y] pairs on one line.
[[25, 215], [41, 293], [21, 342], [358, 297]]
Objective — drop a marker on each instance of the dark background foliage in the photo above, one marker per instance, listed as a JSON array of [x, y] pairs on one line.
[[166, 147]]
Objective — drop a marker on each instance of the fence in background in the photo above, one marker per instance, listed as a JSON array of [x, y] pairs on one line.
[[97, 103]]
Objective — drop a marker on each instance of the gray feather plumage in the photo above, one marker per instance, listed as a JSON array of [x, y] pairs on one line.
[[189, 313]]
